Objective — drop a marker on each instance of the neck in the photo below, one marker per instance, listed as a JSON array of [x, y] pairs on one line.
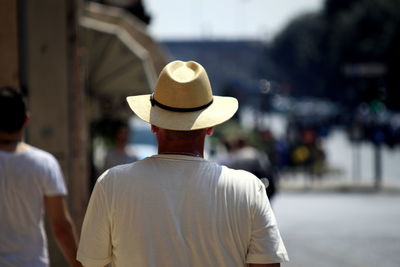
[[193, 148], [182, 148], [9, 141], [190, 143]]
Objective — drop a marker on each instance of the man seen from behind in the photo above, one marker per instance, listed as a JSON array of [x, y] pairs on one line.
[[31, 184], [176, 208]]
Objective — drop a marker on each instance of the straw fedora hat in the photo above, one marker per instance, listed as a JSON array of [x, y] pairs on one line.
[[183, 100]]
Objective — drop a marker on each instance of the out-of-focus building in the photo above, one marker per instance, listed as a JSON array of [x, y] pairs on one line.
[[76, 61], [242, 68]]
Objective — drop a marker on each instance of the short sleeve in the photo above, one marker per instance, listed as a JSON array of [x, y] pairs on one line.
[[266, 245], [53, 183], [95, 242]]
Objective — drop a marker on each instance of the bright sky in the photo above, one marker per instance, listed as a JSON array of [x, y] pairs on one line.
[[223, 19]]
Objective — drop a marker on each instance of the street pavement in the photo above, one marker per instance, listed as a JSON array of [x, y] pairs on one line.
[[330, 228]]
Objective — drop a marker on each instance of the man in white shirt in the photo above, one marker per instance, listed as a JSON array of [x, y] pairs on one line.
[[31, 183], [176, 208]]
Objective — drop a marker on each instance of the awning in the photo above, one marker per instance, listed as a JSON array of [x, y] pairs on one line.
[[115, 64], [136, 28]]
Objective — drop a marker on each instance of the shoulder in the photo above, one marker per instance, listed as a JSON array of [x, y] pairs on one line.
[[35, 156], [39, 157], [44, 168], [115, 173], [241, 178], [235, 173]]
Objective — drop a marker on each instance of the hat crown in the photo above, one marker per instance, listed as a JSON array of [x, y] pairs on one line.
[[183, 85]]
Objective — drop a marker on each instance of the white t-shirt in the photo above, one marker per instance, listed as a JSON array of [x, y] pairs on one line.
[[173, 210], [25, 178]]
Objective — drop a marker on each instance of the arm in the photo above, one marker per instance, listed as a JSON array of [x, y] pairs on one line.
[[95, 245], [62, 227], [265, 265], [266, 245]]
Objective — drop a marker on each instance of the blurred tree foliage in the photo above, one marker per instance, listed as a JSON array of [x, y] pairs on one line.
[[311, 53]]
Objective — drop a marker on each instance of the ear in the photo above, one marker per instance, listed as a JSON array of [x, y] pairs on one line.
[[154, 129], [27, 118], [210, 131]]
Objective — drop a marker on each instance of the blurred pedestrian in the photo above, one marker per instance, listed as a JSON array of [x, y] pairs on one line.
[[176, 208], [319, 160], [118, 154], [31, 183], [241, 155]]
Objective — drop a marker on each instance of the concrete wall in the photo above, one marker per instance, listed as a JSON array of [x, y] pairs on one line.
[[56, 97]]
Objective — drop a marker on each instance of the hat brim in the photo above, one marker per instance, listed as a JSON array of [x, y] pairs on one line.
[[221, 110]]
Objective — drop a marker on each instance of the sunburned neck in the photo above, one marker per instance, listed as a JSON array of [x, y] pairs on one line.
[[194, 150], [189, 148], [189, 143]]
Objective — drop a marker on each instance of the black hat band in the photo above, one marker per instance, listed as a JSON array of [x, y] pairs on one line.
[[158, 104]]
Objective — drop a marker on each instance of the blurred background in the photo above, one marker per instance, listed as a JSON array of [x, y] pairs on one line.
[[317, 81]]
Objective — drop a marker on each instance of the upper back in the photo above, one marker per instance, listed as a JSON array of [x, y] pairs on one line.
[[27, 173], [175, 203], [25, 178]]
